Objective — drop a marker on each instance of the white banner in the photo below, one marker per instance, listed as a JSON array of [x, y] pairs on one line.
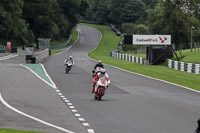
[[152, 39]]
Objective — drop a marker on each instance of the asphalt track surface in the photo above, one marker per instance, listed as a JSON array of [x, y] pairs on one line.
[[132, 104], [25, 92]]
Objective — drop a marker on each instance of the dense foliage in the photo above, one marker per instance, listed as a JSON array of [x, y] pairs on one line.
[[23, 21]]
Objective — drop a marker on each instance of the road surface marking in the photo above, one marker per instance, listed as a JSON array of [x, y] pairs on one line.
[[77, 115], [86, 124], [81, 119], [31, 117], [74, 110], [90, 131], [71, 107], [8, 57], [69, 103], [60, 94]]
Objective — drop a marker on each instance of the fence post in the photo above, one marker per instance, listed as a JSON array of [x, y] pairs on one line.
[[189, 67], [176, 65], [197, 68], [182, 66], [169, 63]]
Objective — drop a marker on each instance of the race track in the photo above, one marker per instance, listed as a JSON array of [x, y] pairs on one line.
[[132, 104]]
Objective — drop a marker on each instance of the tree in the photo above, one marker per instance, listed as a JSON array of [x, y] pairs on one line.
[[126, 11], [150, 3], [168, 17], [129, 28], [13, 26], [39, 14]]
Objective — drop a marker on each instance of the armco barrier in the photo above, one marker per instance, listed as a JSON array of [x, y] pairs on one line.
[[60, 45], [182, 66], [127, 57], [41, 56]]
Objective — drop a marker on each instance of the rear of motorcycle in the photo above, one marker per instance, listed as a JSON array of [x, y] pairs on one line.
[[100, 92]]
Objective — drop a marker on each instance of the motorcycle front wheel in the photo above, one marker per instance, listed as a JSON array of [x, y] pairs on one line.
[[100, 94], [67, 69]]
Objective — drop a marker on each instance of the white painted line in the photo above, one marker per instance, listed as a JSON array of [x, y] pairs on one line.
[[71, 107], [77, 115], [90, 131], [60, 94], [81, 119], [57, 90], [64, 98], [54, 85], [39, 76], [69, 103], [34, 118], [8, 57], [74, 110], [86, 124]]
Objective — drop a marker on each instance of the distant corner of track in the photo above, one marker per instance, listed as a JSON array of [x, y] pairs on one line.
[[140, 74]]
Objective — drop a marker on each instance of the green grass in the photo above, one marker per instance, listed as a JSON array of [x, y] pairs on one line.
[[73, 39], [3, 130], [110, 41], [190, 57], [137, 55]]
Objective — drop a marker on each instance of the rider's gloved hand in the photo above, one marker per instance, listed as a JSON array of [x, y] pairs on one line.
[[106, 86]]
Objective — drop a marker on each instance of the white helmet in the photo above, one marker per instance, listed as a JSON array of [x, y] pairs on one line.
[[70, 57], [100, 62], [103, 71]]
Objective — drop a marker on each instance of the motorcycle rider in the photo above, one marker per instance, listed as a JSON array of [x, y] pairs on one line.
[[102, 73], [69, 60], [98, 65]]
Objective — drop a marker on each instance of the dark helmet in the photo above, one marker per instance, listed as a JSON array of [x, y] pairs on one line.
[[103, 71]]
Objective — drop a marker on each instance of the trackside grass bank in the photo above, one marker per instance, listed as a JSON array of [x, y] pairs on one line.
[[190, 57], [110, 41], [15, 131]]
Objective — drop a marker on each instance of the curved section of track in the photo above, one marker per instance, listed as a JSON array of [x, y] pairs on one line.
[[132, 104]]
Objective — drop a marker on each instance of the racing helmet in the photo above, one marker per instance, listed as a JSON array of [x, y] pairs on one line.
[[100, 62], [70, 57], [103, 71]]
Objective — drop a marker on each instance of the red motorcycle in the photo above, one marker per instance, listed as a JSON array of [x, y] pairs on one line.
[[101, 86]]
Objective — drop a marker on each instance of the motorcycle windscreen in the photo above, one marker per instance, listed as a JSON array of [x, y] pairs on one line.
[[103, 79]]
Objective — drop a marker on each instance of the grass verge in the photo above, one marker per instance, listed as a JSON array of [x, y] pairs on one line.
[[110, 41], [3, 130], [190, 57]]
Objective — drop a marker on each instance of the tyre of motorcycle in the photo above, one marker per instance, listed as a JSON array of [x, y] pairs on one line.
[[100, 94], [95, 97], [67, 69]]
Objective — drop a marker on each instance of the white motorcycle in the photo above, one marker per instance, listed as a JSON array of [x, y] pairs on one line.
[[101, 86], [68, 67]]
